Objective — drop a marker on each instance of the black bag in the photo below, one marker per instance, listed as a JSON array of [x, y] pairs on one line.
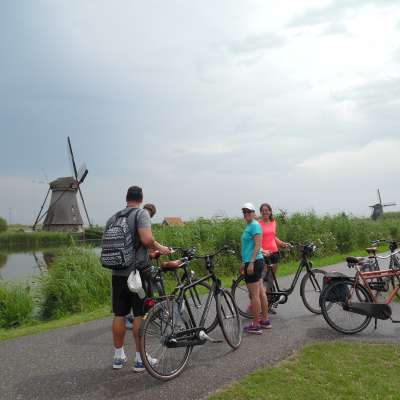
[[119, 244]]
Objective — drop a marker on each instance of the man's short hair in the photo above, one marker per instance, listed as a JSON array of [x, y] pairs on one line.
[[151, 208], [135, 193]]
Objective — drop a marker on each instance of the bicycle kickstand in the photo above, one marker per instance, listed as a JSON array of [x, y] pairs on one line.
[[376, 323]]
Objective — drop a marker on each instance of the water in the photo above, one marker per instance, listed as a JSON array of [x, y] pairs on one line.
[[25, 264]]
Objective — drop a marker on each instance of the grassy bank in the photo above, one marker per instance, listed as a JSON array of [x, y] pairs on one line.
[[17, 240], [326, 371]]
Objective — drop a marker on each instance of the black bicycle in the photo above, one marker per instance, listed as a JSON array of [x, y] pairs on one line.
[[155, 283], [170, 330], [310, 287]]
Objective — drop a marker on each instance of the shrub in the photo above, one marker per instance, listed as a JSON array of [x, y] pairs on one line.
[[16, 305], [3, 225], [76, 282]]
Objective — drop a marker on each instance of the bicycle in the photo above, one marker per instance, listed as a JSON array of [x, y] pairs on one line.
[[371, 263], [169, 330], [348, 304], [155, 287], [310, 287]]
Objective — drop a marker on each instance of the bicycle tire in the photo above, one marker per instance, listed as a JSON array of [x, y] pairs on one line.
[[240, 296], [328, 306], [317, 285], [229, 319], [211, 321], [160, 317], [393, 279]]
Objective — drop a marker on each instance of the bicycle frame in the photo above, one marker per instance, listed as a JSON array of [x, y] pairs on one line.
[[304, 263], [364, 277]]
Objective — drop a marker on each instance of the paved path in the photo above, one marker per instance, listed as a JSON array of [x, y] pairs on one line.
[[75, 362]]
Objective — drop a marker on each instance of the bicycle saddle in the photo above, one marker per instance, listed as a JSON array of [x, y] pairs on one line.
[[371, 250], [171, 265], [355, 260]]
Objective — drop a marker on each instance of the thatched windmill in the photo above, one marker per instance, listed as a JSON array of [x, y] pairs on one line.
[[63, 213], [377, 209]]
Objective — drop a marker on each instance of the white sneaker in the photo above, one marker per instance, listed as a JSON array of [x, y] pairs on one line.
[[118, 363]]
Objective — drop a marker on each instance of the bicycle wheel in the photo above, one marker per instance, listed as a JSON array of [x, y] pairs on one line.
[[311, 288], [229, 319], [395, 280], [241, 296], [197, 299], [161, 323], [333, 299]]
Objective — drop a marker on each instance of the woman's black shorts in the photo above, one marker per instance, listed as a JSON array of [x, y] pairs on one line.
[[272, 259], [123, 300], [258, 271]]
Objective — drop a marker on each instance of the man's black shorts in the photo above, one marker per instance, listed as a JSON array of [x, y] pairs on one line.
[[258, 271], [123, 300], [272, 259]]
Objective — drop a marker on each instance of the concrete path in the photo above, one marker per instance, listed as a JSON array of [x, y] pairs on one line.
[[75, 362]]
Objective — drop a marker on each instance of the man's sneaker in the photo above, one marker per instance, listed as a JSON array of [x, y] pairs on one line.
[[254, 329], [118, 363], [139, 366], [265, 324]]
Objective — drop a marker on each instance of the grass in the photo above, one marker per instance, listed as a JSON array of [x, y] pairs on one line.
[[335, 370], [36, 326], [17, 239]]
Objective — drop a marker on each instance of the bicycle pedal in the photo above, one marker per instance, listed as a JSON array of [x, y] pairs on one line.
[[204, 336]]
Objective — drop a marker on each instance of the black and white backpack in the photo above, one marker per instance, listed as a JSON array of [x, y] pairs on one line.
[[118, 246]]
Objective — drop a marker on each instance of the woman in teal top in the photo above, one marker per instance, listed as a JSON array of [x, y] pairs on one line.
[[252, 268]]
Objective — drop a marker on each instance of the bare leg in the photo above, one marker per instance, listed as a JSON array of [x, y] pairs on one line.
[[136, 330], [263, 301], [254, 289], [118, 330]]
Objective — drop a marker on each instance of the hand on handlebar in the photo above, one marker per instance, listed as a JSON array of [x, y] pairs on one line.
[[164, 250]]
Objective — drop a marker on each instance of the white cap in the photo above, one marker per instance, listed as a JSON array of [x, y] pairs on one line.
[[248, 206]]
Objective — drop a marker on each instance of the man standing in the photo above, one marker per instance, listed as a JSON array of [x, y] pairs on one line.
[[123, 300]]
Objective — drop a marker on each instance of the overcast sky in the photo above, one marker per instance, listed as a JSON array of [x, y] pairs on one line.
[[205, 104]]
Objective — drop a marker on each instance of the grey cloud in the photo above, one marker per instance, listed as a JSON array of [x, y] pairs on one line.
[[334, 11], [256, 43], [373, 93]]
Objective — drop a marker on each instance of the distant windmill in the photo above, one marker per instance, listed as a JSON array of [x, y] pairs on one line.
[[377, 209], [63, 212]]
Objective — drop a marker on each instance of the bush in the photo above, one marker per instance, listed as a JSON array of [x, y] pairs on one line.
[[16, 305], [76, 282], [3, 225]]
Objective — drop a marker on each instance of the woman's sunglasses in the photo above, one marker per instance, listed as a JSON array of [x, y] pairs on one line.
[[246, 212]]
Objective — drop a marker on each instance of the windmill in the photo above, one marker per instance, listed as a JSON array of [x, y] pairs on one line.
[[377, 209], [63, 212]]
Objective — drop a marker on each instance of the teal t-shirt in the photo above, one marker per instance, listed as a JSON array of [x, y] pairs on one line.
[[251, 229]]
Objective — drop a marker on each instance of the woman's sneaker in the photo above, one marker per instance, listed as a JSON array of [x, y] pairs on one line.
[[118, 363], [254, 329], [265, 324]]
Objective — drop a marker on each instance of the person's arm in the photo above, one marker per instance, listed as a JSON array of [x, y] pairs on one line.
[[147, 239], [281, 243], [257, 246]]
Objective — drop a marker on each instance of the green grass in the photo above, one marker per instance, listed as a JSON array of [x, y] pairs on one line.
[[325, 371], [20, 240], [35, 326]]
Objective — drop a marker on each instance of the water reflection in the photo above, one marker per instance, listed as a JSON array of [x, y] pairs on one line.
[[25, 264]]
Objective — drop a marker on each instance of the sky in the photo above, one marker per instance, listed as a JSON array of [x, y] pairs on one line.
[[206, 105]]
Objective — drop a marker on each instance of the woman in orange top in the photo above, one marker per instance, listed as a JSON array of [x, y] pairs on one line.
[[270, 242]]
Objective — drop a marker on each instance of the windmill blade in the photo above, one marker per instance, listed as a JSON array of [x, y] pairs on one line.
[[84, 206], [82, 172], [389, 204], [379, 197], [40, 211], [72, 160]]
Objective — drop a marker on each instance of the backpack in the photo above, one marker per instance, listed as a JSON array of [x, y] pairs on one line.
[[118, 246]]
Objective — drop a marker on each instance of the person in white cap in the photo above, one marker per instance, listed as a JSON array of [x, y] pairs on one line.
[[252, 268]]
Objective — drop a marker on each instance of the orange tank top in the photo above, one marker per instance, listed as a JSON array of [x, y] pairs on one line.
[[269, 236]]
